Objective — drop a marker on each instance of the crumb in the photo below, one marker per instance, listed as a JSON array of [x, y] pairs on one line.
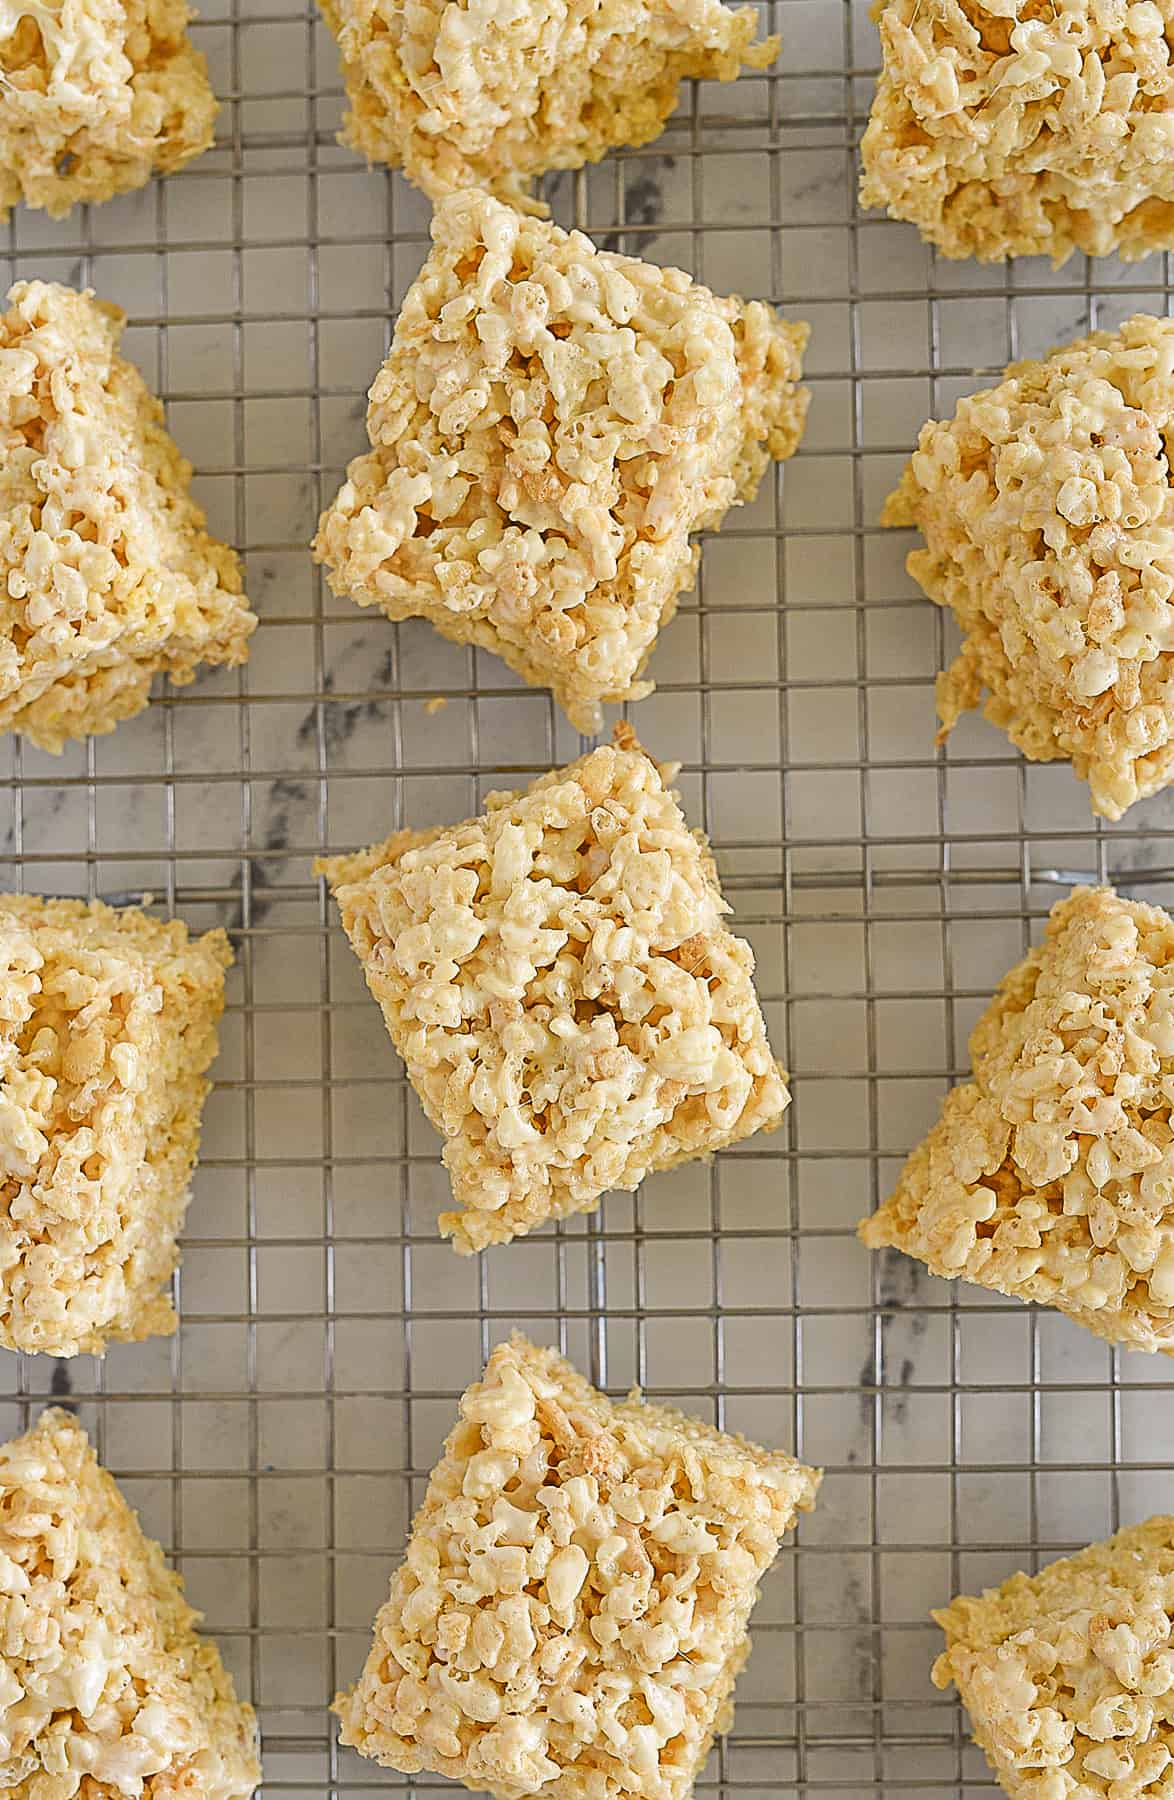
[[435, 705]]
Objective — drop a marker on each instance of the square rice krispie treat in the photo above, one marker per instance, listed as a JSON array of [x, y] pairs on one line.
[[1044, 505], [1050, 1175], [107, 1024], [1068, 1675], [106, 1690], [1007, 130], [556, 976], [552, 423], [96, 96], [486, 96], [107, 573], [572, 1612]]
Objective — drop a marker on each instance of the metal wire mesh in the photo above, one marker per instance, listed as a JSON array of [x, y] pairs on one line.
[[277, 1445]]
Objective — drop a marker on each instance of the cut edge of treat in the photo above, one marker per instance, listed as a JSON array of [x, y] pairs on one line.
[[1009, 1606]]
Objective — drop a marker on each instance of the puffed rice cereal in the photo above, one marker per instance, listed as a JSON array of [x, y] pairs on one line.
[[1005, 129], [106, 1690], [483, 95], [572, 1611], [1050, 1175], [107, 1024], [1045, 504], [1068, 1675], [107, 573], [551, 424], [556, 976], [96, 96]]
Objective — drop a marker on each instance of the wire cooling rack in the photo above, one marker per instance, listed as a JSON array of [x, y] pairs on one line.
[[278, 1443]]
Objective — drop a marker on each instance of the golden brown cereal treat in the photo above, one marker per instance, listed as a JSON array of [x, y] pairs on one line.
[[572, 1612], [1068, 1675], [107, 1024], [481, 96], [96, 96], [106, 571], [552, 423], [1006, 130], [1044, 504], [1050, 1175], [555, 974], [106, 1690]]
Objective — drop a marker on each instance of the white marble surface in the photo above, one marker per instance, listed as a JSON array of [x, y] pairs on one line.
[[885, 886]]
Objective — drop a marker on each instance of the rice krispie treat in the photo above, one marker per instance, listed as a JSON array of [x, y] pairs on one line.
[[107, 1024], [1068, 1675], [106, 1690], [552, 423], [572, 1612], [485, 96], [556, 976], [1007, 130], [107, 574], [1049, 529], [1050, 1175], [96, 96]]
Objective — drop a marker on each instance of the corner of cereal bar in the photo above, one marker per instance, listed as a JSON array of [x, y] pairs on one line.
[[98, 102], [109, 574], [1068, 1675], [1042, 505], [1000, 132], [1050, 1175], [106, 1689]]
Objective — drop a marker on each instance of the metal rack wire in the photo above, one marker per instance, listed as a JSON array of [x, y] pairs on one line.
[[278, 1444]]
